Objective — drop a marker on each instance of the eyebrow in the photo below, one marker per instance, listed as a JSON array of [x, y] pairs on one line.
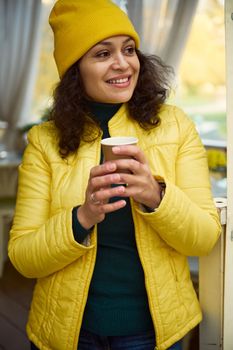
[[108, 43]]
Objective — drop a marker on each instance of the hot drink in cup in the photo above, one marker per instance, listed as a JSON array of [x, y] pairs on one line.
[[108, 143]]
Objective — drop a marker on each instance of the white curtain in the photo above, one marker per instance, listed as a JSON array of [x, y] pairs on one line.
[[163, 26], [135, 12], [20, 32]]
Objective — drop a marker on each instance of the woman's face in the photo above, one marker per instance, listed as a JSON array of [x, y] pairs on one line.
[[110, 69]]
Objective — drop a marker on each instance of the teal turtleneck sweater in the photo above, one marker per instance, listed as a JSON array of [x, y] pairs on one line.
[[117, 302]]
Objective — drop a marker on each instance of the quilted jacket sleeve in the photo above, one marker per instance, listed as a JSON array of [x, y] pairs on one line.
[[40, 244], [187, 219]]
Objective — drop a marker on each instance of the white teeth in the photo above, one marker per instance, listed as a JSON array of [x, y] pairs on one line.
[[118, 81]]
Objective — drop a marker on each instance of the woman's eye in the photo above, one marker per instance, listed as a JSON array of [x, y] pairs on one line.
[[130, 50], [102, 54]]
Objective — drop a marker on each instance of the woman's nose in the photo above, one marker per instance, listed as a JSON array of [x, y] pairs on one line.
[[120, 62]]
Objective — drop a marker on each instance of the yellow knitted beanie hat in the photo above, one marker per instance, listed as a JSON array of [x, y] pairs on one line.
[[80, 24]]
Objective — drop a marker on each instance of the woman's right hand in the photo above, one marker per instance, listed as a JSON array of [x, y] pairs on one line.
[[98, 193]]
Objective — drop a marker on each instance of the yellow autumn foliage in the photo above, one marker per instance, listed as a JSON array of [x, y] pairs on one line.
[[216, 158]]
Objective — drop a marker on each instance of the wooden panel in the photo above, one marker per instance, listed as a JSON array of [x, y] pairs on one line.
[[211, 288], [228, 281]]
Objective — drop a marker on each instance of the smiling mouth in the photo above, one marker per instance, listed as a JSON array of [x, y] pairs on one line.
[[118, 81]]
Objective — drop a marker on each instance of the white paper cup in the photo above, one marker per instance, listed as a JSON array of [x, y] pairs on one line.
[[108, 143]]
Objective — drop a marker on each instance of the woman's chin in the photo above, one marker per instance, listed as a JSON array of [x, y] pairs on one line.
[[120, 98]]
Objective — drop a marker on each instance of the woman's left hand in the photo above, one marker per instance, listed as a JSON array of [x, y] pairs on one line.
[[141, 185]]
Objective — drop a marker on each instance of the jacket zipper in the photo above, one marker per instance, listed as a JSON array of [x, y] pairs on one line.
[[146, 283], [90, 274]]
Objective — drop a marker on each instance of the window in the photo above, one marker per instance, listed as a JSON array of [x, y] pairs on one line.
[[201, 89], [47, 72]]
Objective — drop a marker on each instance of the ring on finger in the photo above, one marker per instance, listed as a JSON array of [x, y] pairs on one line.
[[93, 199]]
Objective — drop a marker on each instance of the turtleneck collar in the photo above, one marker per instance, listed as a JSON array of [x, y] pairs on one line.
[[103, 112]]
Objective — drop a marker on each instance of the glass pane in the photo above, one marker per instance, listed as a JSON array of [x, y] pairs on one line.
[[201, 88], [47, 71]]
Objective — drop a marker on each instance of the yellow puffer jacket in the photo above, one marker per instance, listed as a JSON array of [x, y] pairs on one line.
[[42, 245]]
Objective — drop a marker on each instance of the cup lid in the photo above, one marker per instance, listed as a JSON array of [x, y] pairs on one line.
[[119, 140]]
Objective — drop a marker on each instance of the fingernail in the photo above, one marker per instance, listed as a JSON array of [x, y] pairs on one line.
[[122, 189]]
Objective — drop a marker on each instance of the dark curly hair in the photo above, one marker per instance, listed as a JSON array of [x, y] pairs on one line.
[[73, 118]]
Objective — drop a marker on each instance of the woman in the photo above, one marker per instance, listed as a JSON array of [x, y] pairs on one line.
[[110, 260]]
